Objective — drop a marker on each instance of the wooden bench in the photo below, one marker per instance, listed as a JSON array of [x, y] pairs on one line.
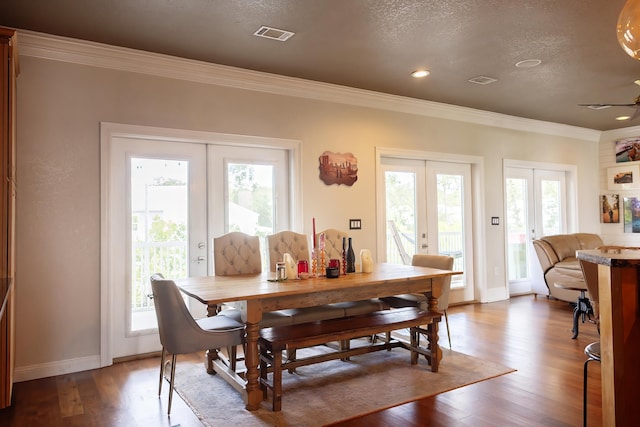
[[273, 341]]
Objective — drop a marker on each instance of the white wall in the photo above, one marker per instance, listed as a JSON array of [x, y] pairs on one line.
[[62, 98]]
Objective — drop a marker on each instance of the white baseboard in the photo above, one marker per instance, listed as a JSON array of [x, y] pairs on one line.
[[50, 369]]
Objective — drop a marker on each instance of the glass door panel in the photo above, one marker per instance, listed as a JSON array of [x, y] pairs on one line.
[[159, 230], [400, 194], [517, 214], [250, 201], [450, 224]]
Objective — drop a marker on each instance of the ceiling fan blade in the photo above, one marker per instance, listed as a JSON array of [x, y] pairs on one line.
[[635, 114], [606, 105]]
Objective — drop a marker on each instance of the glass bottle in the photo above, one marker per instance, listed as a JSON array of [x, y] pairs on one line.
[[351, 258], [344, 256]]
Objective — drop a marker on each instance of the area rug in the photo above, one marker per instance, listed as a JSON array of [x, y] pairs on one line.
[[327, 392]]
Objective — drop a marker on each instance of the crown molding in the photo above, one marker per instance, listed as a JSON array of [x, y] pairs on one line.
[[56, 48]]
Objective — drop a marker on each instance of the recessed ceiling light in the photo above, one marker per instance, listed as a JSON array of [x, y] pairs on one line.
[[622, 118], [528, 63], [420, 73]]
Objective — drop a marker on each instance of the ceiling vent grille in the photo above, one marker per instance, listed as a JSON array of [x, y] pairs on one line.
[[482, 80], [273, 33]]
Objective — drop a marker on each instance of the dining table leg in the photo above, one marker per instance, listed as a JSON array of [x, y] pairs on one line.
[[212, 353], [432, 303], [252, 328]]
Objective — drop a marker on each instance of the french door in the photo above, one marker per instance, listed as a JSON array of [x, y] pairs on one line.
[[428, 210], [535, 206], [157, 225], [165, 199]]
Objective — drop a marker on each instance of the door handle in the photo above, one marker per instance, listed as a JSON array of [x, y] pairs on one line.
[[200, 259]]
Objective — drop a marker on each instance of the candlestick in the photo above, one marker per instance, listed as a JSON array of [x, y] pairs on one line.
[[314, 232]]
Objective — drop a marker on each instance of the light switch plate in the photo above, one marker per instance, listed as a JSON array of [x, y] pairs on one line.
[[355, 224]]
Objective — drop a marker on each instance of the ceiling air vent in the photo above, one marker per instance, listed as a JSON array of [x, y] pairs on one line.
[[273, 33], [482, 80]]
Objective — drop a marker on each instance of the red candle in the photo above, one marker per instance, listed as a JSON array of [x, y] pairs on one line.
[[314, 233]]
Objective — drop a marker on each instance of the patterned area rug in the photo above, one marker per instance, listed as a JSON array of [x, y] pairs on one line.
[[327, 392]]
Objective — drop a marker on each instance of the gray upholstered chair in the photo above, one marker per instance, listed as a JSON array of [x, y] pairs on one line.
[[236, 253], [442, 262], [290, 242], [180, 333]]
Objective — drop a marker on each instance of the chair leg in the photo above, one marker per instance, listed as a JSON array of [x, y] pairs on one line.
[[173, 374], [233, 357], [162, 356], [584, 391], [446, 321]]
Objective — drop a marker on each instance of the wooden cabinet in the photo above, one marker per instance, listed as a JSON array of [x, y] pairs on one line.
[[619, 302], [8, 74]]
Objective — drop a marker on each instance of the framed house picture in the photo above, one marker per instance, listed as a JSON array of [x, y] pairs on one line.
[[625, 177]]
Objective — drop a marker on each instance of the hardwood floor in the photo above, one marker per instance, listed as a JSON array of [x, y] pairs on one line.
[[532, 335]]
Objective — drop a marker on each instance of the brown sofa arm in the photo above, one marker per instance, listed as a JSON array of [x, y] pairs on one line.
[[546, 255]]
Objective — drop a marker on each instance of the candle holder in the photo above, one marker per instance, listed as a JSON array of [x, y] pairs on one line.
[[314, 263], [322, 262]]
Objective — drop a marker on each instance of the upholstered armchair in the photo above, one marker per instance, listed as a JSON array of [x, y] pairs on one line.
[[557, 256], [236, 253], [290, 242]]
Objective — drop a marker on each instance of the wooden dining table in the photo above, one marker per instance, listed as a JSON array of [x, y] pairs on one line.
[[256, 294]]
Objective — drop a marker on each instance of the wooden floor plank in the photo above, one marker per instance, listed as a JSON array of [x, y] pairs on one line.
[[68, 397], [532, 335]]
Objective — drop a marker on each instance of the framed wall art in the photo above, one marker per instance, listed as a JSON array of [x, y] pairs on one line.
[[625, 177], [338, 168], [628, 149], [609, 208], [631, 208]]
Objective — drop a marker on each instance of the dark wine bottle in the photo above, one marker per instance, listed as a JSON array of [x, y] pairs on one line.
[[351, 258]]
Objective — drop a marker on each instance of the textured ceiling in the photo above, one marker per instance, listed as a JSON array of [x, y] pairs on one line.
[[375, 44]]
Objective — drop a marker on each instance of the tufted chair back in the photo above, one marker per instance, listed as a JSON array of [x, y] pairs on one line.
[[333, 242], [289, 242], [236, 253]]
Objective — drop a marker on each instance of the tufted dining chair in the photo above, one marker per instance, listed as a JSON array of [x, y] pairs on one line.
[[236, 253], [442, 262], [333, 242], [290, 242], [180, 333]]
